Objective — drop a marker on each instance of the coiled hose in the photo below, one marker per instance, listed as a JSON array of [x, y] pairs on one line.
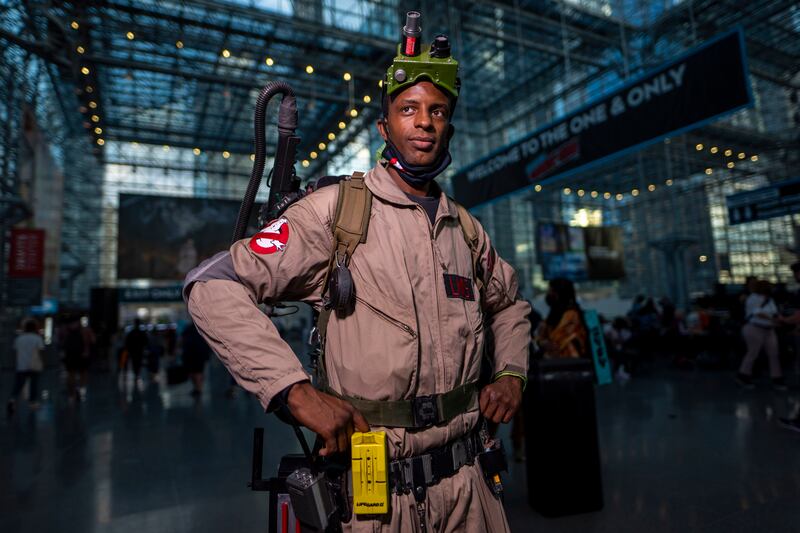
[[287, 124]]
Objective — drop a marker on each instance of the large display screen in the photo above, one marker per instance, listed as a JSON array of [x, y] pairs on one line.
[[163, 237], [579, 254]]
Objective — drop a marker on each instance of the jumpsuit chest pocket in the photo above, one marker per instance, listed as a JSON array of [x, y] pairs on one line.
[[377, 350]]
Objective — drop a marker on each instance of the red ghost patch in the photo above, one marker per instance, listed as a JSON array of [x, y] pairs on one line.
[[272, 238]]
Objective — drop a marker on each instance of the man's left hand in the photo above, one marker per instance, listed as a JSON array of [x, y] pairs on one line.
[[500, 400]]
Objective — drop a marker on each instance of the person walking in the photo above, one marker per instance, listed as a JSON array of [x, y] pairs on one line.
[[28, 347], [194, 355], [135, 344], [761, 318]]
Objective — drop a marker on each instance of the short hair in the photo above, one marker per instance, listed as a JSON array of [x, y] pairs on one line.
[[30, 326]]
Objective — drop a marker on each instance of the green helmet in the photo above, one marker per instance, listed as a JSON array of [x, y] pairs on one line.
[[415, 62]]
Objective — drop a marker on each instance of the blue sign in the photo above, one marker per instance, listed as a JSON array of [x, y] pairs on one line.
[[706, 83], [777, 200], [602, 364]]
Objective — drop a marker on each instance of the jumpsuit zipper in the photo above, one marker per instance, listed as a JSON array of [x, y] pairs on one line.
[[393, 321]]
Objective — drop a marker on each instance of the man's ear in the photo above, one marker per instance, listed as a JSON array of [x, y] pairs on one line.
[[381, 124]]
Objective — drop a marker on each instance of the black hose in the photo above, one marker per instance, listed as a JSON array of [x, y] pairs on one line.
[[287, 124]]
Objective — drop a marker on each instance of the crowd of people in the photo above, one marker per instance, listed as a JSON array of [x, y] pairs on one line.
[[135, 353]]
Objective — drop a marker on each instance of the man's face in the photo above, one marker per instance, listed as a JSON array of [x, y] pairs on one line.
[[418, 121]]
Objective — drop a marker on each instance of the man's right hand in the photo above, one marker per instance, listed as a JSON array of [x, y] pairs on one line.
[[333, 419]]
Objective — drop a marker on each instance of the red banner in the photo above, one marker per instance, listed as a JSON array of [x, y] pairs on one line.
[[27, 253]]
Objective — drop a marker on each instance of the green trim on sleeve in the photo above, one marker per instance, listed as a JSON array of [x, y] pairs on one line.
[[502, 373]]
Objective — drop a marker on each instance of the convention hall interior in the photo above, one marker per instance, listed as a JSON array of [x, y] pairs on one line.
[[634, 161]]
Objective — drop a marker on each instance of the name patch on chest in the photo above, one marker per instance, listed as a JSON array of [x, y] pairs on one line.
[[459, 287]]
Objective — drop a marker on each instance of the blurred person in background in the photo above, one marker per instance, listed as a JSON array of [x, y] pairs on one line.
[[761, 318], [562, 333], [793, 319], [618, 338], [28, 348], [155, 350], [195, 354], [135, 344], [77, 350]]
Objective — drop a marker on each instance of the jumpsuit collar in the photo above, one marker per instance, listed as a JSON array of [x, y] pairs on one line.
[[383, 186]]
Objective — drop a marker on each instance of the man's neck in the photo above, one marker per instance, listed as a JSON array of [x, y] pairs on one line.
[[405, 187]]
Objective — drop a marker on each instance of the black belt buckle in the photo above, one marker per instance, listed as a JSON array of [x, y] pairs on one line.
[[426, 411]]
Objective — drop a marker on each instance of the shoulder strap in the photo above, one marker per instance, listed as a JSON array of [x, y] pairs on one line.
[[352, 215], [350, 225], [470, 231]]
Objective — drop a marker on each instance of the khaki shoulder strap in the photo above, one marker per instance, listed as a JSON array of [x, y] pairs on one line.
[[352, 215], [470, 231], [350, 225]]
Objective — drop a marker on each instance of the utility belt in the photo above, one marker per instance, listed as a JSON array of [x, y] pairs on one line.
[[415, 474], [419, 412]]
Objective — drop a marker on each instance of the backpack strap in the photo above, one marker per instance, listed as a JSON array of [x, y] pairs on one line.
[[350, 225], [470, 231]]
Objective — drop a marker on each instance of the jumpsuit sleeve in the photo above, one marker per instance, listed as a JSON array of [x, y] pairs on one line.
[[285, 261], [506, 312]]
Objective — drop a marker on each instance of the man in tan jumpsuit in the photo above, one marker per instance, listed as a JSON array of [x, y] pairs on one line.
[[410, 334]]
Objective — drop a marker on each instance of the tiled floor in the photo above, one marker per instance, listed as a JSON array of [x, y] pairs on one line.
[[682, 451]]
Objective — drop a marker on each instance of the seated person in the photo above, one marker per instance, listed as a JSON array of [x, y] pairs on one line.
[[562, 333]]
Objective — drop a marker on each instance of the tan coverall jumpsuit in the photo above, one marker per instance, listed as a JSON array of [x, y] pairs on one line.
[[405, 338]]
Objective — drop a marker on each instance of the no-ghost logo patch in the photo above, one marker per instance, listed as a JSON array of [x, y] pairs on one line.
[[272, 238]]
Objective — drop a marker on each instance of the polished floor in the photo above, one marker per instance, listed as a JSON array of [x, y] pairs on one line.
[[681, 451]]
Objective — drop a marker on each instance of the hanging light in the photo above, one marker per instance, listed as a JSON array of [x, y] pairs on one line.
[[753, 158], [165, 148], [342, 125], [367, 99], [226, 154], [130, 35], [709, 171], [93, 104], [98, 130], [322, 146], [347, 76], [354, 112], [703, 258], [728, 152], [669, 183], [731, 164], [567, 191], [80, 49], [581, 192], [620, 196], [714, 150], [85, 71], [331, 136], [226, 53], [305, 163], [252, 157], [178, 44], [380, 84], [309, 69], [741, 155], [699, 147], [635, 192], [537, 188], [651, 187], [95, 118], [101, 142], [74, 25], [269, 61], [607, 195], [595, 194], [196, 151]]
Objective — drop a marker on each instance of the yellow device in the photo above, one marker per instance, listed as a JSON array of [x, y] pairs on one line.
[[370, 473]]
